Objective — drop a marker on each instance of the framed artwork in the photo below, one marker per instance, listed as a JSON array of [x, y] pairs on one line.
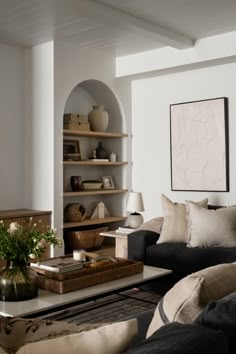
[[71, 150], [199, 145], [107, 182]]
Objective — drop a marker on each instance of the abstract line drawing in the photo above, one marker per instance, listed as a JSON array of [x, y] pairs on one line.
[[199, 145]]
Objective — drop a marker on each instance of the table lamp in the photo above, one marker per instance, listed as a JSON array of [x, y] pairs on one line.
[[135, 205]]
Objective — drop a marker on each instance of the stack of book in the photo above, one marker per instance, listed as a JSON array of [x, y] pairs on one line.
[[58, 265], [125, 230]]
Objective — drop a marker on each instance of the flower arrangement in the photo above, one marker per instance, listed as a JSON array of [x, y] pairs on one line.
[[20, 243]]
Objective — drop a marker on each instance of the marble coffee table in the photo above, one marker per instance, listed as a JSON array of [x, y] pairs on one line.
[[49, 301]]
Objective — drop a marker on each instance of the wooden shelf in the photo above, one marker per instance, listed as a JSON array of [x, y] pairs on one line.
[[95, 163], [94, 192], [88, 222], [91, 134]]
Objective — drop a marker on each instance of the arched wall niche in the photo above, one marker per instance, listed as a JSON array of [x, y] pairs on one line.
[[89, 92], [80, 100]]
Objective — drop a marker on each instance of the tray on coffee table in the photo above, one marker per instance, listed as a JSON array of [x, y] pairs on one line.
[[86, 277]]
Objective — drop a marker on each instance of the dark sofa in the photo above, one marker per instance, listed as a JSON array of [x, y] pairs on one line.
[[213, 332], [178, 257]]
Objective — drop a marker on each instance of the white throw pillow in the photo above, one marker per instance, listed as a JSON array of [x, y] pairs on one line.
[[207, 228], [110, 339], [175, 227]]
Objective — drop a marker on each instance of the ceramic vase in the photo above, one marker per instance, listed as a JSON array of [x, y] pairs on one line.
[[18, 282], [98, 118], [75, 182], [101, 152]]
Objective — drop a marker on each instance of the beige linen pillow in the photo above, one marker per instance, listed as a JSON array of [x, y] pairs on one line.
[[190, 295], [175, 228], [110, 339], [152, 225], [207, 228]]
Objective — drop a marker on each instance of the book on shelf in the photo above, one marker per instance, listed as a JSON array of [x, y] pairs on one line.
[[125, 230], [105, 160], [58, 265]]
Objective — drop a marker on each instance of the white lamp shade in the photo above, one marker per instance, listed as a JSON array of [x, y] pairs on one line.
[[135, 202]]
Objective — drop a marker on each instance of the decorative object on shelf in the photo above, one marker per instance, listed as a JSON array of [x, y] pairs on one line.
[[18, 244], [135, 205], [112, 157], [91, 185], [74, 212], [75, 121], [107, 182], [71, 150], [199, 145], [98, 118], [76, 183], [101, 152], [99, 211], [86, 239]]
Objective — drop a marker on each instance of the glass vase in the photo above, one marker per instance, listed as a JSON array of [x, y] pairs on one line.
[[18, 282]]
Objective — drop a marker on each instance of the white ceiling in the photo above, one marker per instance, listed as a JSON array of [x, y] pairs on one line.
[[119, 27]]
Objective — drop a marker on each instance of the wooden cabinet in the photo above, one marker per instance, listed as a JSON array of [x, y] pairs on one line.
[[22, 217]]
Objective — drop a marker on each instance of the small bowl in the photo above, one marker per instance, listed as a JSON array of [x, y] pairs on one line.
[[90, 186]]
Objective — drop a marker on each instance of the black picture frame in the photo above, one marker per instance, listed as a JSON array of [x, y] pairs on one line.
[[199, 145]]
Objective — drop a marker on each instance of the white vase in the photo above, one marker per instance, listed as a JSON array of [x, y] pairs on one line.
[[98, 118]]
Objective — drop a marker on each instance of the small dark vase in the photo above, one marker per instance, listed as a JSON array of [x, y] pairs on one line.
[[75, 182], [18, 282], [101, 152]]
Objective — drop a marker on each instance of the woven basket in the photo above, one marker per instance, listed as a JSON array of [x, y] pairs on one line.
[[86, 239]]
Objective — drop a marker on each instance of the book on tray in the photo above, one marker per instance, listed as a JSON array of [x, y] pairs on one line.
[[58, 265]]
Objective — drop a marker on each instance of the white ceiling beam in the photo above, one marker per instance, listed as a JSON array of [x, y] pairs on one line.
[[137, 25]]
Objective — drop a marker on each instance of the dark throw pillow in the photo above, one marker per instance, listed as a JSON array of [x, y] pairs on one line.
[[221, 315], [177, 338]]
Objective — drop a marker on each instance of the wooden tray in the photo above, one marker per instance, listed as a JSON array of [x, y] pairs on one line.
[[83, 278]]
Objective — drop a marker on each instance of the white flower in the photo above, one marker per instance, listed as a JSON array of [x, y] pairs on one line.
[[13, 227], [32, 256]]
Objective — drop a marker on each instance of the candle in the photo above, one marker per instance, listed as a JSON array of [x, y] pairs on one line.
[[79, 255]]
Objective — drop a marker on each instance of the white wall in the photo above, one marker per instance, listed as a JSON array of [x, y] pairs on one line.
[[151, 99], [11, 127], [39, 127]]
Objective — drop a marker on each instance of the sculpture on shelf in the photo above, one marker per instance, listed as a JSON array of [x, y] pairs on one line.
[[101, 152], [74, 212], [99, 211], [98, 118]]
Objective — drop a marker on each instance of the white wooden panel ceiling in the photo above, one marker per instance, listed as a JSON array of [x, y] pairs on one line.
[[118, 27]]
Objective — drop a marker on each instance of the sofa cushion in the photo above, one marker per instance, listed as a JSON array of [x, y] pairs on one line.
[[221, 315], [184, 260], [96, 341], [177, 338], [174, 228], [207, 228], [190, 295], [154, 225]]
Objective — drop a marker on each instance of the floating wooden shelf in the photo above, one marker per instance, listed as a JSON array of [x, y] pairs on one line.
[[91, 134], [94, 192], [88, 222], [95, 163]]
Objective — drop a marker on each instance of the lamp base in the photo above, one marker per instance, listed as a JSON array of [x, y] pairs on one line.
[[134, 220]]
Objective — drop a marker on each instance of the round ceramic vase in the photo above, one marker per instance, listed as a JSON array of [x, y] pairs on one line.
[[98, 118]]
